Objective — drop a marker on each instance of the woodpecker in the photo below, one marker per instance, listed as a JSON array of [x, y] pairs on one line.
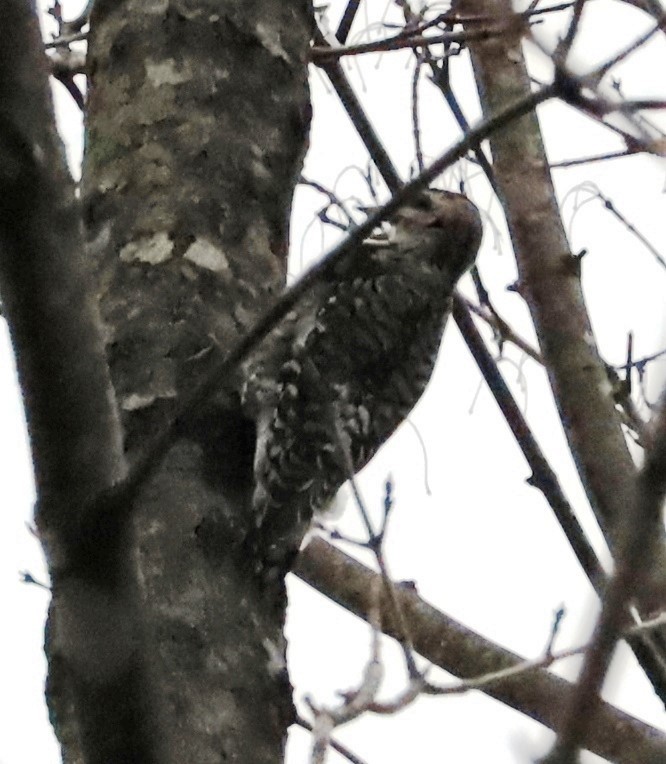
[[345, 367]]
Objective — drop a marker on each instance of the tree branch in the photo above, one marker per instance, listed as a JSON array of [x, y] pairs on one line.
[[72, 418], [540, 695], [54, 322], [640, 538], [546, 267], [542, 476]]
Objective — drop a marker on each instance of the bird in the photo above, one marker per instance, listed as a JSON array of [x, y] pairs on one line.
[[333, 380]]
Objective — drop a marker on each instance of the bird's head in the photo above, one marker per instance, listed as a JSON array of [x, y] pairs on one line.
[[448, 224]]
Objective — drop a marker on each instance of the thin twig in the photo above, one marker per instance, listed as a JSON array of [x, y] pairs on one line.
[[347, 20], [632, 418], [604, 68], [424, 453], [375, 543], [355, 702], [440, 79], [333, 199], [564, 46], [454, 17], [28, 578], [335, 745], [610, 206], [416, 126], [540, 694], [641, 363], [65, 40], [322, 54], [596, 158], [598, 107], [361, 122], [545, 661], [504, 330]]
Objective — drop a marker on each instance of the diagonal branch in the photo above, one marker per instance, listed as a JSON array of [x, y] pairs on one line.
[[653, 7], [640, 538], [542, 696], [542, 476], [347, 20], [363, 126]]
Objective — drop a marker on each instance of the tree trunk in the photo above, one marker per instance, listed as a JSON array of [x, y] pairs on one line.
[[197, 122]]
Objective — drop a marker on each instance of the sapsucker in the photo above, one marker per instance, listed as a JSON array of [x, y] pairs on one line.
[[333, 381]]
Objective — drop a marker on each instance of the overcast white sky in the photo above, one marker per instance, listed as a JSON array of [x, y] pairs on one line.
[[481, 544]]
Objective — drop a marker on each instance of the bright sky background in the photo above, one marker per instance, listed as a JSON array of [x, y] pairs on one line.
[[481, 545]]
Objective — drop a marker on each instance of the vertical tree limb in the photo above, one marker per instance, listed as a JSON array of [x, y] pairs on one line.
[[53, 318], [93, 629], [547, 268]]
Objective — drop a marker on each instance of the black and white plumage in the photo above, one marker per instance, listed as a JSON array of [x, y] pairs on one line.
[[334, 380]]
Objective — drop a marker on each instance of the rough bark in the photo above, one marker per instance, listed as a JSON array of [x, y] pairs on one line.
[[196, 126]]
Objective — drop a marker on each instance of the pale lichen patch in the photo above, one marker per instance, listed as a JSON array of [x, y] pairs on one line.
[[167, 73], [606, 388], [257, 237], [271, 42], [149, 249], [259, 170], [276, 663], [98, 244], [136, 401], [206, 255], [588, 337]]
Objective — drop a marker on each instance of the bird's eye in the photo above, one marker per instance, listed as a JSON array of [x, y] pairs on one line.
[[423, 202]]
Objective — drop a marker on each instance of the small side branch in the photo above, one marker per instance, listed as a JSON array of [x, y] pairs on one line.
[[539, 694]]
